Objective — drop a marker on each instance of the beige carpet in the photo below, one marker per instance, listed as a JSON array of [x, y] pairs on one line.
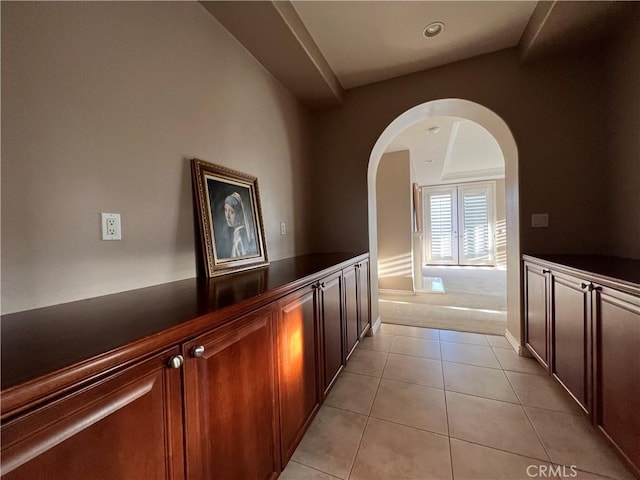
[[474, 301]]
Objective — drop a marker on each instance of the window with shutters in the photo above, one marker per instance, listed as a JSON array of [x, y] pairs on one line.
[[460, 224]]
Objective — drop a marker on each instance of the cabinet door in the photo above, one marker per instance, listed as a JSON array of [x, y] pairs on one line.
[[332, 329], [364, 299], [571, 336], [536, 324], [618, 370], [231, 417], [128, 425], [351, 308], [297, 367]]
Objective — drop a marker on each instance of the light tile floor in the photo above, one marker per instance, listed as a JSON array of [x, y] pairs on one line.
[[420, 403]]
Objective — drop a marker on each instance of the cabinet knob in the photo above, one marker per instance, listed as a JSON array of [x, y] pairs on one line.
[[197, 351], [546, 270], [322, 285], [175, 361], [584, 285]]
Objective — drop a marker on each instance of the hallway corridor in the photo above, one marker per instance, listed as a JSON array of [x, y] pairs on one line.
[[419, 403]]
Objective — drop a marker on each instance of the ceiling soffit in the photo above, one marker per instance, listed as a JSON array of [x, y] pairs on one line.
[[562, 26], [274, 34], [460, 151]]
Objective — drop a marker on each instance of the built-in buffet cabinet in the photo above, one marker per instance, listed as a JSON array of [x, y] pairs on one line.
[[198, 379], [582, 323]]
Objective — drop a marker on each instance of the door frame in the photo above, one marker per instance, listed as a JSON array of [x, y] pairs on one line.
[[496, 126]]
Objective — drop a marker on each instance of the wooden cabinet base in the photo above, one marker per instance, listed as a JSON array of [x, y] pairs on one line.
[[231, 419], [126, 426], [298, 370], [199, 379], [571, 337], [618, 372], [585, 326]]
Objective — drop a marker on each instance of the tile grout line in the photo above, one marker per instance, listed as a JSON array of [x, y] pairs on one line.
[[309, 466], [576, 413], [446, 409], [501, 450], [535, 430], [366, 423]]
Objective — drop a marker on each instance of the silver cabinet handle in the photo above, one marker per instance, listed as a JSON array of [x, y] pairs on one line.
[[197, 351], [175, 361]]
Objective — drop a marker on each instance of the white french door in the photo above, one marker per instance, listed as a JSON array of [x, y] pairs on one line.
[[460, 224]]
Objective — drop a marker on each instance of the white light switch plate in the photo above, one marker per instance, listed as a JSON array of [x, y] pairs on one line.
[[539, 220]]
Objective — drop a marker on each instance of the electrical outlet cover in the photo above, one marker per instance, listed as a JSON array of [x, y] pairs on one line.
[[111, 226]]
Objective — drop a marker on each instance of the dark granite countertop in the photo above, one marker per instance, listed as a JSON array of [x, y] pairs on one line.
[[617, 270], [44, 340]]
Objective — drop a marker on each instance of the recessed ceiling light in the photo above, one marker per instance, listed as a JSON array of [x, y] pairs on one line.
[[433, 130], [433, 29]]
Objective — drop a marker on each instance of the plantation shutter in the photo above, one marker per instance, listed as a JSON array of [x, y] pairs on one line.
[[442, 245], [476, 217]]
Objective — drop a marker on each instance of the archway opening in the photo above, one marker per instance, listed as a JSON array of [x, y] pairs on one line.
[[490, 121]]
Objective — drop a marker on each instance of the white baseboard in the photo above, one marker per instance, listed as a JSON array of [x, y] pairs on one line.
[[375, 326], [514, 343], [387, 291]]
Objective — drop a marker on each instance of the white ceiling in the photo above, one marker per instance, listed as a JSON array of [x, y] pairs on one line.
[[369, 41], [316, 49], [461, 151]]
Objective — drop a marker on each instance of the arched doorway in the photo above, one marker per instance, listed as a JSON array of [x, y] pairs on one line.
[[498, 128]]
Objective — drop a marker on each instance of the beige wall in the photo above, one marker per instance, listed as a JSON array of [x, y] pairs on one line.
[[102, 106], [622, 167], [393, 187], [552, 107]]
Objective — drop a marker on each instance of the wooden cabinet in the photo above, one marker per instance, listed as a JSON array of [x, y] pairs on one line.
[[127, 425], [357, 304], [364, 297], [199, 379], [571, 336], [351, 309], [298, 371], [536, 311], [591, 344], [617, 370], [230, 414], [331, 319]]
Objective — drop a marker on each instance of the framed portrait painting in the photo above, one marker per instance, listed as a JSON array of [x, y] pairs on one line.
[[230, 218]]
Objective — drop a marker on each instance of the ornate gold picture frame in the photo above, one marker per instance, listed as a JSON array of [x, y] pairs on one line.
[[230, 219]]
